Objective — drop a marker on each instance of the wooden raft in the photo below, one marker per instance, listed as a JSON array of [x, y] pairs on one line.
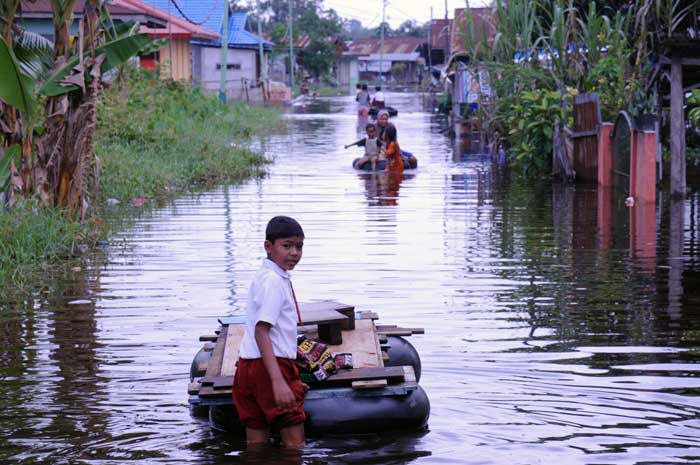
[[339, 326]]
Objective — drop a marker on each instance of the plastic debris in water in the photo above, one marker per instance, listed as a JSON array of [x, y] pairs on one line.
[[629, 201]]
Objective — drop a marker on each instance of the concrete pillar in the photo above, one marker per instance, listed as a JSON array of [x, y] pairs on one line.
[[643, 175]]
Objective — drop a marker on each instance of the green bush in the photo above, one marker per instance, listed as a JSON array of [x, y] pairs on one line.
[[530, 118]]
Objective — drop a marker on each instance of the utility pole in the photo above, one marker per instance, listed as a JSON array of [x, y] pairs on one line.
[[381, 42], [263, 67], [224, 54], [430, 41], [291, 47], [447, 36]]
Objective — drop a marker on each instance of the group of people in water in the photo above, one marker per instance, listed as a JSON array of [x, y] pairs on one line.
[[365, 100], [381, 143]]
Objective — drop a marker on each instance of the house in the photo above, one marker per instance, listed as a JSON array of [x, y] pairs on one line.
[[173, 60], [467, 83], [438, 46], [37, 16], [244, 67], [399, 58]]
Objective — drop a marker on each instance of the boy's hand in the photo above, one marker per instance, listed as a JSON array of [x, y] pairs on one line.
[[284, 397]]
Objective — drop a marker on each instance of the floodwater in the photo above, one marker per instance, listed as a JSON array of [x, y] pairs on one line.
[[554, 333]]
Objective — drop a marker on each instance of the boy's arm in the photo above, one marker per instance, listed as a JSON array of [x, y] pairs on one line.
[[359, 143], [284, 397]]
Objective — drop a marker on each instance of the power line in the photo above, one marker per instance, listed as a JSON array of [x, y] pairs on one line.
[[196, 23]]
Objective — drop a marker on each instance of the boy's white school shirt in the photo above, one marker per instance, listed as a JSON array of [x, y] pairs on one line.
[[270, 300]]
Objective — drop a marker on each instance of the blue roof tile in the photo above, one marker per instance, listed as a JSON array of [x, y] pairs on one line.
[[209, 14]]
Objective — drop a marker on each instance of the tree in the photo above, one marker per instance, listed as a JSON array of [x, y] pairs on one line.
[[57, 155]]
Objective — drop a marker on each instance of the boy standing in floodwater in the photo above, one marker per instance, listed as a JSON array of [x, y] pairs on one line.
[[267, 389]]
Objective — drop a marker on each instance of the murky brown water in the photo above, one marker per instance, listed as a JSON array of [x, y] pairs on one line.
[[553, 335]]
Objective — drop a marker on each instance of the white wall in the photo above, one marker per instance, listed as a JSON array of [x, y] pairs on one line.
[[211, 76]]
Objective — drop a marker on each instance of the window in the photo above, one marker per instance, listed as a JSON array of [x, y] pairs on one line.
[[229, 66]]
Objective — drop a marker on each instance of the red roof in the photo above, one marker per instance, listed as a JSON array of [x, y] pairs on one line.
[[397, 44], [175, 26], [439, 32], [482, 20]]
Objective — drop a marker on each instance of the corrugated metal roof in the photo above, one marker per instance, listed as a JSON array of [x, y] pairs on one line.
[[482, 20], [440, 33], [400, 44]]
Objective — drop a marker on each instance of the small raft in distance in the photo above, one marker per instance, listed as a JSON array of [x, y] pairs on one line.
[[373, 111], [409, 162], [380, 393]]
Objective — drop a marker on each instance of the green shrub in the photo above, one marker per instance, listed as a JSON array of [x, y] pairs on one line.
[[530, 118]]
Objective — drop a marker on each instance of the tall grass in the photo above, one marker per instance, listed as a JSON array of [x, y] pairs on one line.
[[31, 236], [166, 137], [156, 139]]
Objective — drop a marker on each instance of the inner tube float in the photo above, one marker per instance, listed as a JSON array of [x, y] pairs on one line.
[[340, 411], [409, 162], [374, 110], [345, 411]]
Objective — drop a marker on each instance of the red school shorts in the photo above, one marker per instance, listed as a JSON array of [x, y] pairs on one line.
[[255, 401]]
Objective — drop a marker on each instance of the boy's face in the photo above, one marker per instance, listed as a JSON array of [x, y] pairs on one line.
[[383, 119], [371, 132], [285, 252]]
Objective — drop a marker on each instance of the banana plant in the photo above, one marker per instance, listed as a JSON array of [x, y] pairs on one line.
[[34, 73]]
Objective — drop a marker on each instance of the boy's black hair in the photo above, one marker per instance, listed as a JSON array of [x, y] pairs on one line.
[[370, 125], [280, 227], [377, 88], [364, 86], [358, 86]]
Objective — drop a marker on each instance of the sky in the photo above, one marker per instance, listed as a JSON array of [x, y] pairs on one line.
[[369, 12]]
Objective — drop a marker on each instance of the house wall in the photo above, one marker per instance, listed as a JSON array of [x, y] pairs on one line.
[[174, 60], [347, 74], [241, 65]]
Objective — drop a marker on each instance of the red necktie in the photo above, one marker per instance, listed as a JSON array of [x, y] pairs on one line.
[[295, 302]]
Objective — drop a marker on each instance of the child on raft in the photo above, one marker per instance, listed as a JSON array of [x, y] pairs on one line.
[[267, 389], [391, 150], [372, 144]]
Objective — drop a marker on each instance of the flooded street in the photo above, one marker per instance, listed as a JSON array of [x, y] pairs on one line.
[[546, 341]]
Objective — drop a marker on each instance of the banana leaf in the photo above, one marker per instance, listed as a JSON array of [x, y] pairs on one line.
[[116, 52], [16, 88], [12, 153]]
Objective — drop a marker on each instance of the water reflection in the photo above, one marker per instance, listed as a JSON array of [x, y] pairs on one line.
[[561, 325]]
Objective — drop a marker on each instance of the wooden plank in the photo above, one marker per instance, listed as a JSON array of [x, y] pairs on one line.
[[391, 330], [234, 336], [392, 374], [193, 388], [210, 391], [409, 374], [371, 384], [208, 338], [202, 367], [345, 309], [321, 316], [214, 365], [366, 315], [217, 382], [362, 343]]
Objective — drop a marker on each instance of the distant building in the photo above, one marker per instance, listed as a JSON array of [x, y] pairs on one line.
[[438, 45], [173, 60], [244, 68], [399, 60], [37, 17]]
